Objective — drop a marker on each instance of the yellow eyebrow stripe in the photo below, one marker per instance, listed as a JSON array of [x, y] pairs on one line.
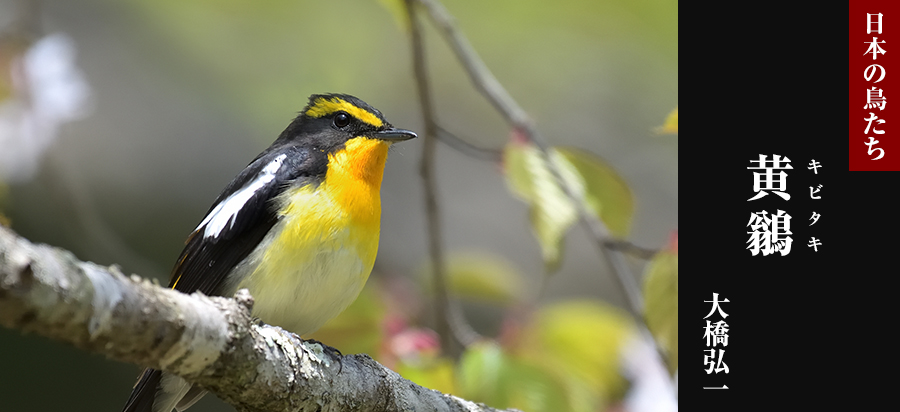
[[324, 107]]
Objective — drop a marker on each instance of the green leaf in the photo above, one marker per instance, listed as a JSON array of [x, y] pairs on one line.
[[605, 193], [661, 295], [551, 212]]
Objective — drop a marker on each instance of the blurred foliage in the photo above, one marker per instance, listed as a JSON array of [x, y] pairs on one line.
[[480, 277], [325, 59], [438, 374], [580, 340], [229, 40], [397, 8], [4, 195], [488, 374], [671, 124], [358, 329], [661, 296], [566, 357], [606, 195]]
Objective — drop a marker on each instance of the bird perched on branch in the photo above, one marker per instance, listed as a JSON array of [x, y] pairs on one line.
[[298, 227]]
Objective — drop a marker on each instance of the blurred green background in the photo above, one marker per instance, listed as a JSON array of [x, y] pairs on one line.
[[185, 93]]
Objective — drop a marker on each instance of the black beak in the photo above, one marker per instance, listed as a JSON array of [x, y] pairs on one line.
[[394, 135]]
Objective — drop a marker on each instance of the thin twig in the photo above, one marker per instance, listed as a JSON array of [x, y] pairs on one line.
[[490, 87], [450, 320], [466, 148], [426, 170], [71, 189], [632, 249]]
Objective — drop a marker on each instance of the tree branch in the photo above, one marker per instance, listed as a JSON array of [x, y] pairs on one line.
[[210, 341]]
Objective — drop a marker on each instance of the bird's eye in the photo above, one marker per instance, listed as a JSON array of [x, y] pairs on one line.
[[341, 119]]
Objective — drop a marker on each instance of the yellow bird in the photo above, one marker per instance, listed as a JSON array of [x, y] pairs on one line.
[[298, 227]]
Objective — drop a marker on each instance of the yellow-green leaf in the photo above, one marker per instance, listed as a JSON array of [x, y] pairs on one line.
[[397, 8], [551, 212], [671, 124], [358, 329], [438, 375], [480, 370], [661, 296], [605, 193], [484, 277], [531, 387]]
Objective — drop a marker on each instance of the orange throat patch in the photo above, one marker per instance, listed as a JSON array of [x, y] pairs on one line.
[[354, 177]]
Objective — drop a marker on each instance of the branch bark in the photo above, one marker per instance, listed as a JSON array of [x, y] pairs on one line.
[[211, 341]]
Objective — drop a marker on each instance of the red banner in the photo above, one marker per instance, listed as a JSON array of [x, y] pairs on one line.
[[874, 73]]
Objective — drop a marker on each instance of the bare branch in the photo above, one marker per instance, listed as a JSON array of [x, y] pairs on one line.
[[466, 148], [632, 249], [210, 341], [450, 320]]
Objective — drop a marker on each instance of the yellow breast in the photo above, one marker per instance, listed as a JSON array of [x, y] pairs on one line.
[[318, 256]]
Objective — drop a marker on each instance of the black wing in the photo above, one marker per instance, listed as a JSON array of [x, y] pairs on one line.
[[228, 233], [238, 220]]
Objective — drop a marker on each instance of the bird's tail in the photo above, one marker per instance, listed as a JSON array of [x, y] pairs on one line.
[[144, 392], [156, 391]]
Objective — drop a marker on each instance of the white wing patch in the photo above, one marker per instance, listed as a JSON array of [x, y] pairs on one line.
[[226, 211]]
